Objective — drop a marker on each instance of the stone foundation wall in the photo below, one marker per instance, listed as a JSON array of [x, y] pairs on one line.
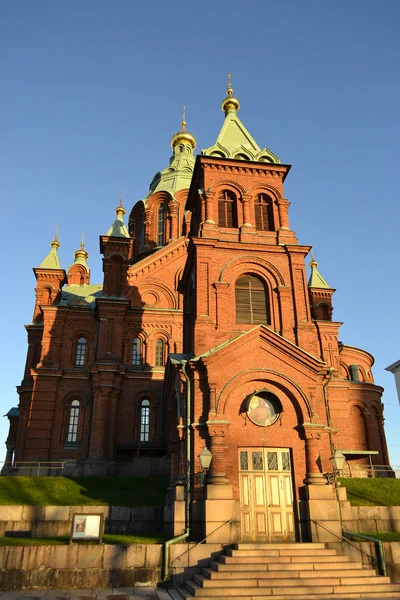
[[42, 521], [82, 566], [373, 519], [79, 566]]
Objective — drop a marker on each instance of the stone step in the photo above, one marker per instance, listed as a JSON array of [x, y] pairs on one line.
[[279, 574], [286, 566], [283, 552], [278, 545], [336, 558], [205, 582], [329, 591], [186, 595]]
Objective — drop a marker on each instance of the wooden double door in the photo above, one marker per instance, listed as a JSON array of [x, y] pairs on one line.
[[266, 494]]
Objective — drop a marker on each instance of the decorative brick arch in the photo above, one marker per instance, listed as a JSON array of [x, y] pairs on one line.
[[267, 377], [270, 276], [155, 287], [237, 266], [227, 184], [259, 188], [77, 394], [156, 199]]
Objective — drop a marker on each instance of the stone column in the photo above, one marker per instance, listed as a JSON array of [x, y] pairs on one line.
[[173, 207], [313, 472], [217, 474], [246, 211], [283, 210], [210, 207], [147, 228], [322, 506], [221, 511]]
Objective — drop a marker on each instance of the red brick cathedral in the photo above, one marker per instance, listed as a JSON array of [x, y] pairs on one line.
[[204, 333]]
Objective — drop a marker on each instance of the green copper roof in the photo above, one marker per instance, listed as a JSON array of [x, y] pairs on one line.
[[177, 176], [316, 280], [234, 141], [118, 228], [80, 295], [51, 261]]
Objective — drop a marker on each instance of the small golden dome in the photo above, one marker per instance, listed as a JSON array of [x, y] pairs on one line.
[[230, 101], [183, 135]]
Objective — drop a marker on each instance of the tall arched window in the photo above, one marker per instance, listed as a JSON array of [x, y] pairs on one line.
[[72, 433], [251, 300], [136, 352], [161, 225], [80, 352], [227, 210], [159, 353], [145, 421], [263, 213]]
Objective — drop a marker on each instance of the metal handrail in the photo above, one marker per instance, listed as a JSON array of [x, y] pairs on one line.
[[380, 549], [34, 464], [203, 540], [381, 562]]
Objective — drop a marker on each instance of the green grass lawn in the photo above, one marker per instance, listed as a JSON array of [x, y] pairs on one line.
[[83, 491], [384, 537], [108, 538], [372, 492]]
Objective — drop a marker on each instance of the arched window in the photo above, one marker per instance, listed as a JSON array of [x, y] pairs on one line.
[[251, 300], [263, 213], [161, 225], [136, 352], [227, 211], [159, 353], [72, 433], [145, 421], [80, 352]]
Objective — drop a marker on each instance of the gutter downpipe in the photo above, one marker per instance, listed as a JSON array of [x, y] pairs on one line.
[[182, 536]]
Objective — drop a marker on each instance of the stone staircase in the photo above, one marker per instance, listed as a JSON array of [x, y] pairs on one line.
[[285, 571]]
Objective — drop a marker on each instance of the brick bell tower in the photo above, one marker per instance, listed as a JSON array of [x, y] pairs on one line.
[[254, 327]]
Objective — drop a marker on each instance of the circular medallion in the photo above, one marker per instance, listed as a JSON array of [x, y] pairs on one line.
[[263, 408], [150, 298]]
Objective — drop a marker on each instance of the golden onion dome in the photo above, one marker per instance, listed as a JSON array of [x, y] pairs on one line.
[[183, 135], [230, 102]]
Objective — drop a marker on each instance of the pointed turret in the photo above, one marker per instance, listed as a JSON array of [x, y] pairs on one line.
[[79, 272], [316, 280], [50, 279], [118, 228], [116, 247], [320, 294], [51, 261], [234, 141]]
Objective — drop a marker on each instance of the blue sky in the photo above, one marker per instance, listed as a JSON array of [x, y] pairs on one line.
[[93, 91]]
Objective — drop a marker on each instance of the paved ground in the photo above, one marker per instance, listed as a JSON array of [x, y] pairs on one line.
[[136, 593]]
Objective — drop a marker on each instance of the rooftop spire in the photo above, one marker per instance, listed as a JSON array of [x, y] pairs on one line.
[[316, 280], [234, 141], [118, 228], [81, 255], [230, 103], [183, 135], [51, 261]]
